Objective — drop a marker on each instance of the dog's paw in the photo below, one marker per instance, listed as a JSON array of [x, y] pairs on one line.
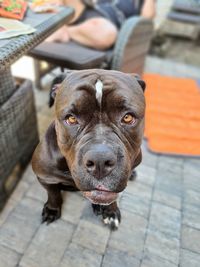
[[112, 219], [111, 214], [50, 215], [97, 209]]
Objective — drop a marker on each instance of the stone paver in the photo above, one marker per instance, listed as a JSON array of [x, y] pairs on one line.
[[192, 197], [36, 191], [48, 245], [189, 258], [29, 176], [191, 180], [114, 258], [88, 214], [139, 190], [191, 216], [165, 247], [73, 204], [167, 199], [17, 195], [133, 204], [190, 239], [171, 164], [171, 68], [151, 260], [77, 256], [165, 219], [21, 225], [191, 167], [130, 236], [8, 257], [169, 182], [91, 236], [146, 174], [148, 159], [160, 213], [156, 208]]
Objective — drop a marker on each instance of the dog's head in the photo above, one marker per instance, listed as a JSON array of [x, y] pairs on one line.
[[99, 126]]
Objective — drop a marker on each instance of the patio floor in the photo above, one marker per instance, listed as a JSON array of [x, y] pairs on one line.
[[160, 213]]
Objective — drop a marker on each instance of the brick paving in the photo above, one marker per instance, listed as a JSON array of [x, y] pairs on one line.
[[160, 219], [160, 222]]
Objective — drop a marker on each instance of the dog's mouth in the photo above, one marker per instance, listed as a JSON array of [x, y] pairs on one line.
[[101, 197]]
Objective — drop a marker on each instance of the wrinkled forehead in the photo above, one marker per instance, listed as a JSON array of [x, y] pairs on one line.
[[96, 86]]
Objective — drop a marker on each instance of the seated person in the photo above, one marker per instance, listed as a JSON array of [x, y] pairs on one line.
[[96, 23]]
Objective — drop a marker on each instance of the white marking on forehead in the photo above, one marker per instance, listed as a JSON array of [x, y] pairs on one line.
[[99, 90]]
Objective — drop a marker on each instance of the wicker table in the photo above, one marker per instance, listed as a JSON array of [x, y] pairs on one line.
[[18, 124], [12, 49]]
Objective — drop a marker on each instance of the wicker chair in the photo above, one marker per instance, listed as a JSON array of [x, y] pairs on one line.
[[128, 53], [18, 131]]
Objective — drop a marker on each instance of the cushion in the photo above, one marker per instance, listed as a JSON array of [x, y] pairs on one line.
[[70, 55]]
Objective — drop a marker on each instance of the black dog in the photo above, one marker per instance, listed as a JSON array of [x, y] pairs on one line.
[[94, 143]]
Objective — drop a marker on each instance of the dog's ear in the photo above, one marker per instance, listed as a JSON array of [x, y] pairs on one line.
[[142, 83], [139, 80], [54, 88]]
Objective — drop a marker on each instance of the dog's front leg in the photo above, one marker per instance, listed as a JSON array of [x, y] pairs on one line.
[[52, 208], [110, 213]]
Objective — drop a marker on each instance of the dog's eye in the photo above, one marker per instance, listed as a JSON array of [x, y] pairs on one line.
[[129, 119], [71, 120]]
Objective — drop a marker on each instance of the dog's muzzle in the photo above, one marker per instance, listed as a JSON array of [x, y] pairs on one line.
[[99, 162]]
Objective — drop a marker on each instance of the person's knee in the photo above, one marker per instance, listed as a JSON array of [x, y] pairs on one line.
[[103, 33]]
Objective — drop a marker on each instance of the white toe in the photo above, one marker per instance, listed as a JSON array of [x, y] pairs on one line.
[[111, 220]]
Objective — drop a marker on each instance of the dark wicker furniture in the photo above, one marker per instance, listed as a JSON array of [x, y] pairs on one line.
[[18, 124], [128, 53], [18, 131], [185, 11]]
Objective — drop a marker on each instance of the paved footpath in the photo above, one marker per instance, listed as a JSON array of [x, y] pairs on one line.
[[160, 217], [160, 222]]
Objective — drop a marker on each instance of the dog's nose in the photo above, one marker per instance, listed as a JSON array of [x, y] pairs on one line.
[[100, 160]]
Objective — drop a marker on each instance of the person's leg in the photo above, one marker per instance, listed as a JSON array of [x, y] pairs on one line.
[[149, 9], [97, 33], [60, 35]]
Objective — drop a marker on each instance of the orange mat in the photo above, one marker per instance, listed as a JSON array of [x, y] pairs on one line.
[[172, 123]]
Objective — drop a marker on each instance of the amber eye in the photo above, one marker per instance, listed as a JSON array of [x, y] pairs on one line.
[[71, 120], [128, 119]]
